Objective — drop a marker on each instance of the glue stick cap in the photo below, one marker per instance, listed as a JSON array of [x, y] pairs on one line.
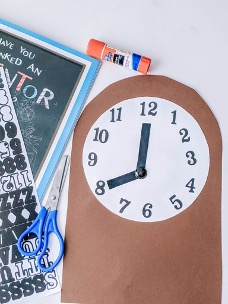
[[144, 65], [95, 48]]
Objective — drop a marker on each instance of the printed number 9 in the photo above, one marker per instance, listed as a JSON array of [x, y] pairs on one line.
[[92, 159], [11, 129]]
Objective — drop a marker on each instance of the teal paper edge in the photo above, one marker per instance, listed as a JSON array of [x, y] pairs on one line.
[[76, 110]]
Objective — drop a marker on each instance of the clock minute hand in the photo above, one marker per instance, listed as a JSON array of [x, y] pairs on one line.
[[143, 147]]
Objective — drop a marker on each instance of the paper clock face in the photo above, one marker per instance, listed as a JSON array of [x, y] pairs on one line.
[[146, 159]]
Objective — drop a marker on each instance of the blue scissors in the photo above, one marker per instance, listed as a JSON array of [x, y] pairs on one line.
[[46, 221]]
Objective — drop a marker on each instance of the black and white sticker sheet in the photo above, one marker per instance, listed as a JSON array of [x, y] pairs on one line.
[[20, 278]]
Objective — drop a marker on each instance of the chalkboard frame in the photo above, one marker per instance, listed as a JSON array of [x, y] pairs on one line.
[[76, 101]]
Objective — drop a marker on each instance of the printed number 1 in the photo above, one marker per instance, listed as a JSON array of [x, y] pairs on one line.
[[174, 117]]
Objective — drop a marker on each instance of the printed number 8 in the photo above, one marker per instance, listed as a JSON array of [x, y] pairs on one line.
[[9, 165], [100, 190], [20, 162]]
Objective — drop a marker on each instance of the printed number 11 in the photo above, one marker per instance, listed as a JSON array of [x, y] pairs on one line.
[[117, 115]]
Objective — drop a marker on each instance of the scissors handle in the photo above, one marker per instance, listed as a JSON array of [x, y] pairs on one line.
[[37, 229], [51, 227]]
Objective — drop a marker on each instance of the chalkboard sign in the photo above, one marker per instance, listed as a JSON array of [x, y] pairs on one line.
[[48, 84]]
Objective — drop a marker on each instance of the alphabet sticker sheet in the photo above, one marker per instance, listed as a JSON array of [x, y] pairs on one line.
[[20, 278]]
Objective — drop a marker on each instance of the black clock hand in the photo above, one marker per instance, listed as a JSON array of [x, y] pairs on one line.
[[143, 148], [120, 180], [140, 171]]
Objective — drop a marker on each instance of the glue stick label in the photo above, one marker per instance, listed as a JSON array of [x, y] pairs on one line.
[[125, 59]]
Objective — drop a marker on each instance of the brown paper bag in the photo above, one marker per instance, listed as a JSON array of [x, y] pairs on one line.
[[110, 260]]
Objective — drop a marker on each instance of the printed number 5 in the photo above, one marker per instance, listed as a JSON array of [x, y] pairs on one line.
[[176, 202]]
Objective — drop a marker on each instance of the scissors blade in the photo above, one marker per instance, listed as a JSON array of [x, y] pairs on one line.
[[57, 184]]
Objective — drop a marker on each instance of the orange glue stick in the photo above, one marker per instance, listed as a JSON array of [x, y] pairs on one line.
[[101, 50]]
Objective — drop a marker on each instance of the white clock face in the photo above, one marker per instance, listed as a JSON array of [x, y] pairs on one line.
[[146, 159]]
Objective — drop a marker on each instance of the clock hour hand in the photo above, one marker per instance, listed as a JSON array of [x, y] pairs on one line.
[[143, 148], [120, 180]]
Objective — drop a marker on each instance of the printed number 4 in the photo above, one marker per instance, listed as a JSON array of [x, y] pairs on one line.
[[191, 185]]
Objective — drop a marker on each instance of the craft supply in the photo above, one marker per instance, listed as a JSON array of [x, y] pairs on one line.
[[49, 84], [101, 50], [46, 221], [144, 240], [20, 278]]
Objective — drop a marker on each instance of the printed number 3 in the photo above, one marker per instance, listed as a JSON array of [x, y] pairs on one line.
[[192, 160]]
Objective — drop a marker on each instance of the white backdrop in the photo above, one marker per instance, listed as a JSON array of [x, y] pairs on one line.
[[187, 41]]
